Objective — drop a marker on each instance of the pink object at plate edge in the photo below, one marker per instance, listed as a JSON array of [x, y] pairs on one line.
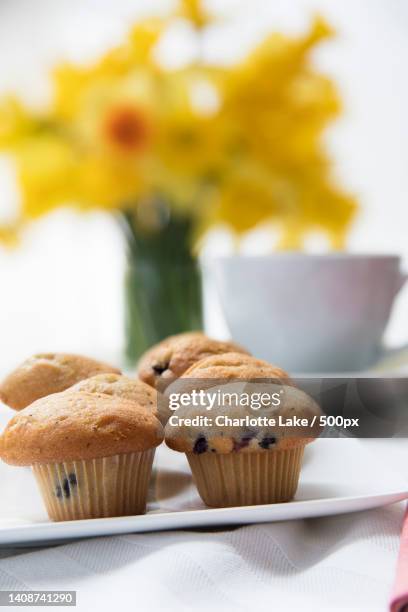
[[399, 599]]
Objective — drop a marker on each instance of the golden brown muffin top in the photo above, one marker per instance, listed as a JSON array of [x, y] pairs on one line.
[[173, 356], [238, 427], [131, 389], [78, 426], [235, 365], [47, 373], [118, 385]]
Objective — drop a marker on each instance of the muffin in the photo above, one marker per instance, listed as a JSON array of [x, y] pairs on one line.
[[48, 373], [242, 452], [219, 369], [173, 356], [91, 454], [233, 365], [131, 389]]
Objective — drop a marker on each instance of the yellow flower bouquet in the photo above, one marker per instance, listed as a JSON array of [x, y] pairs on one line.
[[175, 151]]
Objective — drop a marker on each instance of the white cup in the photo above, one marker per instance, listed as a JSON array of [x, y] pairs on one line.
[[310, 313]]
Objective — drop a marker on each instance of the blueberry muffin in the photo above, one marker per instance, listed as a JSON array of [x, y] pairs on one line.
[[172, 357], [48, 373], [131, 389], [91, 454], [242, 451]]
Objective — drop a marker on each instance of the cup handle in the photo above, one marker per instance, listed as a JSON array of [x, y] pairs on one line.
[[402, 280], [394, 356]]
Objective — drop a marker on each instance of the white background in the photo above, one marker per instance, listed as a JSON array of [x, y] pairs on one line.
[[62, 288]]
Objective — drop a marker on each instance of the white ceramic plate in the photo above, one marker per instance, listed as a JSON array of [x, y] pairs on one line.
[[339, 475]]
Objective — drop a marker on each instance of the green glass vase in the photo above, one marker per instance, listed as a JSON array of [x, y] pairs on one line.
[[163, 292]]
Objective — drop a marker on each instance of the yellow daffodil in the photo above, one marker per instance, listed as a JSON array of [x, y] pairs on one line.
[[240, 145], [108, 183], [9, 234], [74, 84], [15, 123], [194, 11], [46, 169]]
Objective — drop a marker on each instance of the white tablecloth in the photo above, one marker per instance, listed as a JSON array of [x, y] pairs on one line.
[[344, 562], [334, 563]]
